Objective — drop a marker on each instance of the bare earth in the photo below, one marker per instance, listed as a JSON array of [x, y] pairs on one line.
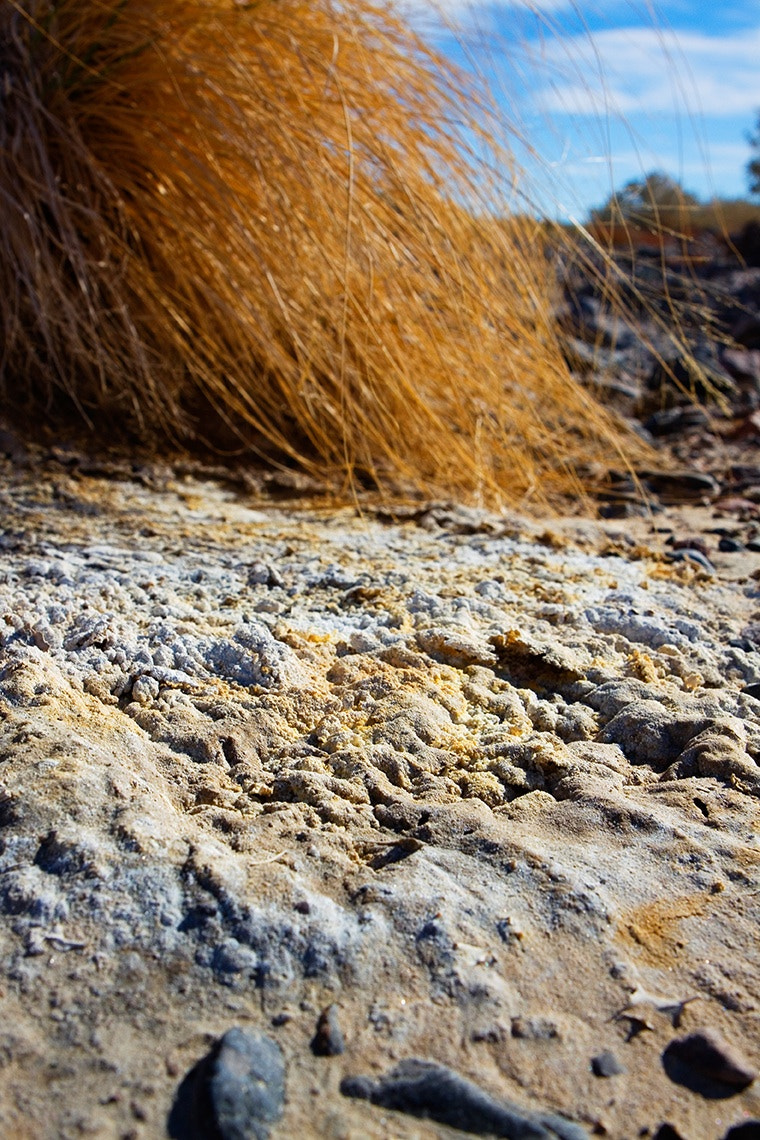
[[488, 786]]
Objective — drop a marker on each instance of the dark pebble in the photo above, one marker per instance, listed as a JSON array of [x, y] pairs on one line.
[[747, 1130], [706, 1063], [754, 545], [606, 1065], [752, 690], [667, 1132], [730, 545], [667, 421], [328, 1040], [236, 1092], [431, 1091], [246, 1085]]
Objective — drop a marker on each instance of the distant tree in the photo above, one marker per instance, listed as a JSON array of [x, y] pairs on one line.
[[753, 166], [657, 200]]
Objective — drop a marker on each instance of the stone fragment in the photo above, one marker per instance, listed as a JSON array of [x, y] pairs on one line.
[[606, 1064], [432, 1091], [328, 1040], [535, 664], [236, 1092], [246, 1085], [694, 557], [680, 486], [263, 574]]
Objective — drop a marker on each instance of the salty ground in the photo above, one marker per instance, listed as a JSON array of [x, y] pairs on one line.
[[488, 787]]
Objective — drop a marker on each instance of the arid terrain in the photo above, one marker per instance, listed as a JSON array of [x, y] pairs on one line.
[[333, 804], [486, 787]]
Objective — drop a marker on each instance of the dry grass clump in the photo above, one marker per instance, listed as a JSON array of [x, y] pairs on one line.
[[269, 227]]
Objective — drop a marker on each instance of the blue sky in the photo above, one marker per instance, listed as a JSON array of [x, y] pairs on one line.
[[605, 92]]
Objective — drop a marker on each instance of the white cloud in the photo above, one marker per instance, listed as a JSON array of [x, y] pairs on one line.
[[436, 14], [599, 109], [642, 70], [724, 160]]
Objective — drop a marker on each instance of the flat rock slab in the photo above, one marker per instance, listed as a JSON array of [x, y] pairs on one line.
[[487, 788], [423, 1088]]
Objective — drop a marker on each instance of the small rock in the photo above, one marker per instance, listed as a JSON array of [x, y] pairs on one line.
[[707, 1056], [693, 542], [361, 1088], [231, 957], [694, 557], [625, 509], [747, 1130], [236, 1092], [668, 421], [667, 1132], [534, 1028], [493, 1033], [752, 690], [262, 574], [680, 486], [606, 1064], [455, 648], [328, 1040], [434, 1092], [246, 1085], [730, 545]]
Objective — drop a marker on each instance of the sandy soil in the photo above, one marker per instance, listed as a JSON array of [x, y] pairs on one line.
[[488, 786]]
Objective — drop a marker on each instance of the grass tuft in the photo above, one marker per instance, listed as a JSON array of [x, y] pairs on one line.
[[277, 229]]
